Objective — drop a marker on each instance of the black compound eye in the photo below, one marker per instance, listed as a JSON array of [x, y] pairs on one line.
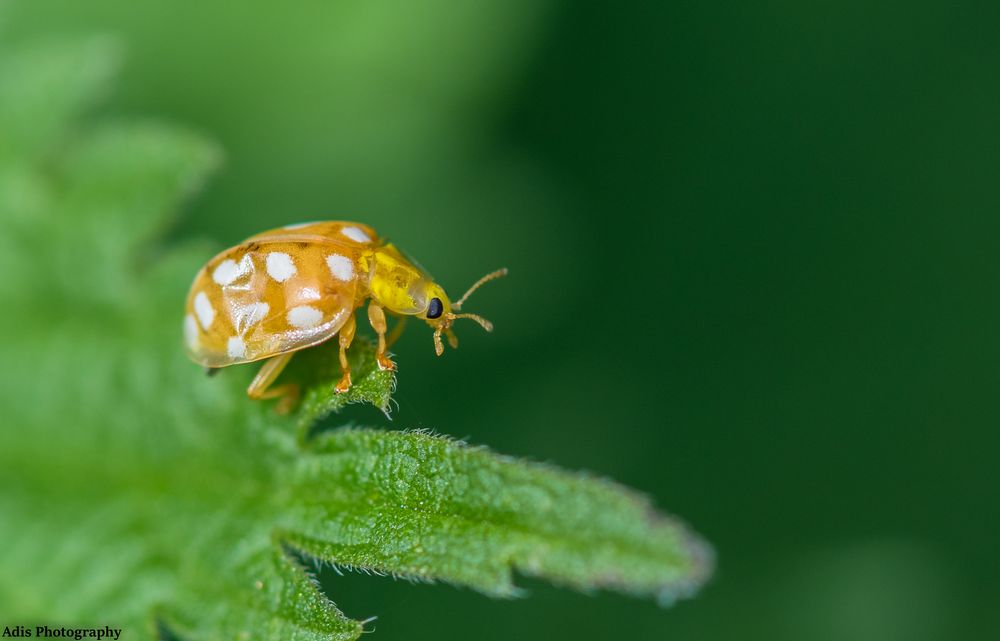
[[435, 309]]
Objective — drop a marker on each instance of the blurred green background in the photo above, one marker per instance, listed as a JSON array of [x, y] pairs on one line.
[[753, 269]]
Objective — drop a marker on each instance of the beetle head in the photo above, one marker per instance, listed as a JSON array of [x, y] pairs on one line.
[[440, 315]]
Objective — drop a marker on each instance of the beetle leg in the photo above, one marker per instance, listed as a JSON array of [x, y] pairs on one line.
[[345, 337], [260, 387], [377, 319]]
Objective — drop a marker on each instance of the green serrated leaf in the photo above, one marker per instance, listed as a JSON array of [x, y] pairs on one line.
[[44, 87], [427, 507], [134, 490], [319, 371]]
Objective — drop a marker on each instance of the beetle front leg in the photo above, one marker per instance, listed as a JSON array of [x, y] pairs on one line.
[[345, 338], [376, 316]]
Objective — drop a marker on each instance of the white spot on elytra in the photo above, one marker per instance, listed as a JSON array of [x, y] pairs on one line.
[[340, 266], [245, 316], [356, 233], [191, 331], [226, 272], [304, 316], [203, 308], [236, 348], [280, 266]]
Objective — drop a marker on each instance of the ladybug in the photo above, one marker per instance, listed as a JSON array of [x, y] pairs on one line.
[[297, 286]]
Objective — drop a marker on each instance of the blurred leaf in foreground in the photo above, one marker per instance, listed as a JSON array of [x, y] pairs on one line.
[[137, 492]]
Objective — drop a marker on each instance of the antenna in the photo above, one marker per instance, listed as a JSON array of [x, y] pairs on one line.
[[479, 283], [450, 318]]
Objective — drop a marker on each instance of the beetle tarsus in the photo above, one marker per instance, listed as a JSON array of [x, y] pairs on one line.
[[385, 363], [344, 385]]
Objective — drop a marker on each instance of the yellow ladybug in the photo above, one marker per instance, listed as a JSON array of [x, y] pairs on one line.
[[295, 287]]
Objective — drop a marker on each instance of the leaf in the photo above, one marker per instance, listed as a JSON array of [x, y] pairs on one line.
[[136, 491], [45, 86], [319, 371], [447, 511]]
